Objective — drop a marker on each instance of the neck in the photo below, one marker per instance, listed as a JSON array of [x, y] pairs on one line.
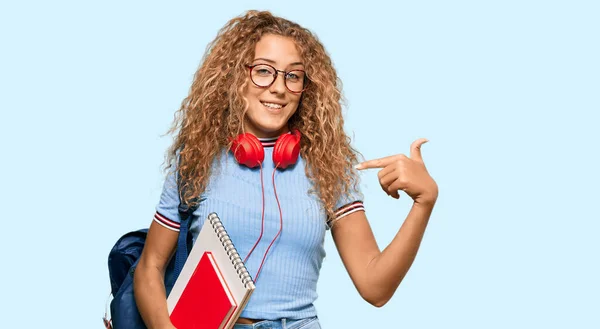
[[269, 134]]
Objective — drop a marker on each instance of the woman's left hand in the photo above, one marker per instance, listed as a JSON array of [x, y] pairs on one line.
[[405, 173]]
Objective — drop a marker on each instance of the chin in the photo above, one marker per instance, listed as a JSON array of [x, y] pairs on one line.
[[266, 129], [272, 130], [266, 123]]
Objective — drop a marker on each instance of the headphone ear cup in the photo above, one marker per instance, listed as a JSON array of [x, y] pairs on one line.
[[248, 150], [287, 149]]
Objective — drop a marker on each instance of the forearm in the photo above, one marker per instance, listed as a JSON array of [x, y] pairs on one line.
[[150, 297], [386, 271]]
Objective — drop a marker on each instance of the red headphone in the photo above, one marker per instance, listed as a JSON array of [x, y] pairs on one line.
[[248, 150]]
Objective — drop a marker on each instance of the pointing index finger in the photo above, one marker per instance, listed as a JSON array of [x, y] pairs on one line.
[[376, 163]]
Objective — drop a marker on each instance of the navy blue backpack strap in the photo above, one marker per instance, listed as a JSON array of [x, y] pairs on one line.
[[186, 211]]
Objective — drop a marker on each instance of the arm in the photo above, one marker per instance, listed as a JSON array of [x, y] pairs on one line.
[[148, 280], [376, 274]]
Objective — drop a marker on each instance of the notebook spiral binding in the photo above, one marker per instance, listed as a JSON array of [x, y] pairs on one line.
[[235, 258]]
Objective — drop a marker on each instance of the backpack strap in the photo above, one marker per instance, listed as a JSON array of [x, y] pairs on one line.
[[185, 212]]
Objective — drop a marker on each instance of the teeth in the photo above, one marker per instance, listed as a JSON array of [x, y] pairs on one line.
[[272, 106]]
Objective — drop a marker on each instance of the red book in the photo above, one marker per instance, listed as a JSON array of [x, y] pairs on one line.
[[206, 301], [214, 285]]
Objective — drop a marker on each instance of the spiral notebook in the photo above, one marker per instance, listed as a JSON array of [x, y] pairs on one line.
[[214, 285]]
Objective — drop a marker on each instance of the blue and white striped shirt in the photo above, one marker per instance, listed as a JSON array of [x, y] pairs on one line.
[[287, 284]]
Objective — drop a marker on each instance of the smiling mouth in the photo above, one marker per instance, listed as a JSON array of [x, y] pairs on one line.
[[272, 106]]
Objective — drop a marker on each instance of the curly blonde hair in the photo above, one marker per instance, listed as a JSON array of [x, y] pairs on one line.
[[214, 110]]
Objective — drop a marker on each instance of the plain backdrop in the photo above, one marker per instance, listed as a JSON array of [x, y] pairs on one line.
[[507, 92]]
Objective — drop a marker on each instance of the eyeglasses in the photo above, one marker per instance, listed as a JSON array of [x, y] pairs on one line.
[[264, 75]]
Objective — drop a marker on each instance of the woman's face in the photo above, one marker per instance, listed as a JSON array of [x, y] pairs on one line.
[[270, 108]]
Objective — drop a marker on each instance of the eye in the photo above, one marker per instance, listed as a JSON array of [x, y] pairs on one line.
[[262, 70], [295, 76]]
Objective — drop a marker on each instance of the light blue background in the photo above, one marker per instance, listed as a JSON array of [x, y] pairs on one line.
[[507, 92]]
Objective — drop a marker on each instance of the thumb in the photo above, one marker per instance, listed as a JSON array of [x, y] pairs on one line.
[[415, 149]]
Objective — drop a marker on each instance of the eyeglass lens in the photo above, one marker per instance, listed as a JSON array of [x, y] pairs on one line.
[[264, 75]]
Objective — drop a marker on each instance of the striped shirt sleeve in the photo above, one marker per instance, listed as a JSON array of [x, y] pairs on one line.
[[348, 204], [164, 221], [167, 213], [349, 209]]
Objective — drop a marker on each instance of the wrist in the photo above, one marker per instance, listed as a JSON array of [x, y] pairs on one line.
[[426, 202]]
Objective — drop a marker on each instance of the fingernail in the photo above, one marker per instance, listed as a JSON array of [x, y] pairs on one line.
[[357, 166]]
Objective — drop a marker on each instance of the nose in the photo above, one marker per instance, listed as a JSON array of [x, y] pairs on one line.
[[278, 86]]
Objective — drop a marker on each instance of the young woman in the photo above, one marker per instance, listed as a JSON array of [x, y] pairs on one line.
[[270, 81]]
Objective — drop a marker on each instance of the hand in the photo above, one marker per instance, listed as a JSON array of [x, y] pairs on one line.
[[407, 174]]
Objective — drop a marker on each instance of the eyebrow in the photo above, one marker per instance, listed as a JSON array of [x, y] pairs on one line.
[[273, 62]]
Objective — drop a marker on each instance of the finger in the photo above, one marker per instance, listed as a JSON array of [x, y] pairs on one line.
[[415, 149], [393, 191], [390, 177], [385, 171], [392, 183], [377, 163], [399, 184], [384, 188], [389, 191]]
